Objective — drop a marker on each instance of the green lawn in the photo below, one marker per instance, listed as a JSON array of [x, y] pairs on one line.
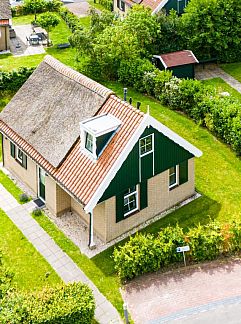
[[58, 35], [221, 86], [233, 69], [105, 279], [31, 271]]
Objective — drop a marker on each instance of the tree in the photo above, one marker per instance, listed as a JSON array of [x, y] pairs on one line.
[[212, 28], [47, 21], [34, 6], [54, 5]]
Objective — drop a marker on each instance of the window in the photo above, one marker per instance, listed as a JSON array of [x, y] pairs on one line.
[[146, 145], [130, 200], [121, 5], [18, 155], [172, 177], [89, 142]]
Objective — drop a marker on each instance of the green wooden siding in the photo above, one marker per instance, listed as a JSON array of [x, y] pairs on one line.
[[166, 154], [177, 5], [143, 194], [183, 71]]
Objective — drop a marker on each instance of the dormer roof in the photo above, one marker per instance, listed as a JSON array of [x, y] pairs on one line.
[[100, 125]]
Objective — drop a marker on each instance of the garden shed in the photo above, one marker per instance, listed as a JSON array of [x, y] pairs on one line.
[[181, 63], [5, 16]]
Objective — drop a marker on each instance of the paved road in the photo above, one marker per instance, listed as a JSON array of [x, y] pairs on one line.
[[181, 294]]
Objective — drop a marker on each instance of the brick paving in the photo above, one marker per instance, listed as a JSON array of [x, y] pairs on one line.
[[57, 258], [213, 71], [155, 297]]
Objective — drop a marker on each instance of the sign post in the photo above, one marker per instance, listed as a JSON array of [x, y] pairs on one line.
[[183, 249]]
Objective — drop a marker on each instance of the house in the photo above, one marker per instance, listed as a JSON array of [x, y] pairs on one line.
[[81, 148], [5, 21], [121, 7], [181, 63]]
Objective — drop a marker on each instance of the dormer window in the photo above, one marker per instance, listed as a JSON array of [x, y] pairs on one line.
[[96, 133]]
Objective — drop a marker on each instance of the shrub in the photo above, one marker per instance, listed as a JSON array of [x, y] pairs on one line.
[[23, 198], [70, 19], [14, 80], [146, 252], [66, 304], [37, 211], [6, 277]]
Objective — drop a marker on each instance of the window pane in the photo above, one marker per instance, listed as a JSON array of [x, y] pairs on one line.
[[130, 200], [146, 145], [89, 142], [172, 176]]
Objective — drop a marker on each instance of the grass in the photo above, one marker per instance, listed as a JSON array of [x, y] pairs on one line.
[[5, 97], [58, 35], [103, 277], [233, 69], [31, 271], [10, 186], [221, 86]]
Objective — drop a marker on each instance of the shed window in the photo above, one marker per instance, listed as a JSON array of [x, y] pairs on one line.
[[89, 142], [173, 177], [146, 145], [130, 200], [18, 155]]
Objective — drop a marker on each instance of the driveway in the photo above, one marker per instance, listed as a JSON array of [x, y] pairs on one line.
[[184, 293]]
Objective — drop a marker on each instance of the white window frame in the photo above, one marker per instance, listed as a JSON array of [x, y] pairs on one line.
[[152, 145], [176, 182], [17, 157], [122, 8], [136, 193]]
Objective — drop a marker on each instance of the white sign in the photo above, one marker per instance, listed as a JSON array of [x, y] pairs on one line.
[[183, 248]]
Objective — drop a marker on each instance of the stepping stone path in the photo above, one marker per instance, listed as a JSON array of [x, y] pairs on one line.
[[63, 265]]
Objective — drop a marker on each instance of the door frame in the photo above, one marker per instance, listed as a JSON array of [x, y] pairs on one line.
[[38, 177]]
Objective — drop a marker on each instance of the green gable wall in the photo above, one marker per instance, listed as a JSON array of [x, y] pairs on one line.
[[166, 154], [176, 5], [183, 71]]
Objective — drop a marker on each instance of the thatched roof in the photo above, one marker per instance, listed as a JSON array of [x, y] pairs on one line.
[[51, 104], [5, 9]]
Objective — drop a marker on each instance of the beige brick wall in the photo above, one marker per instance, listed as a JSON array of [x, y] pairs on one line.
[[29, 176], [50, 195], [4, 35], [63, 201], [120, 12], [160, 198]]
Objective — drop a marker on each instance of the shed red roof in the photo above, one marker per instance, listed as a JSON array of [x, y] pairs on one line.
[[4, 22], [78, 174], [177, 58], [153, 4]]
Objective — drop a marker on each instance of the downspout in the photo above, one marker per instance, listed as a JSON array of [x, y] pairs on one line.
[[2, 148], [91, 232]]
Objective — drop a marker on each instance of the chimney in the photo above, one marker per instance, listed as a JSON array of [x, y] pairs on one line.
[[138, 104], [130, 101]]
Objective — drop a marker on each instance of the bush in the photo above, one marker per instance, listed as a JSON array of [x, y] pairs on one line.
[[70, 19], [145, 252], [6, 277], [37, 211], [23, 198], [107, 4], [66, 304], [14, 80]]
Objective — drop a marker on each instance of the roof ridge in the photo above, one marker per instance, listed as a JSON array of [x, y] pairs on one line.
[[126, 104], [77, 77]]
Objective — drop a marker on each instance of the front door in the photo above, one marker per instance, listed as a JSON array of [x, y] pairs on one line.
[[41, 177]]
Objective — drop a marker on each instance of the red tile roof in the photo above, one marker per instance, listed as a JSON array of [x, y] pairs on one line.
[[153, 4], [177, 58], [78, 174]]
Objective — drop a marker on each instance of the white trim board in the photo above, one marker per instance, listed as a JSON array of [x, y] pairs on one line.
[[147, 121], [159, 7]]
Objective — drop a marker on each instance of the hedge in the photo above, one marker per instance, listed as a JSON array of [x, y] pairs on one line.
[[14, 80], [146, 253], [71, 20], [66, 304]]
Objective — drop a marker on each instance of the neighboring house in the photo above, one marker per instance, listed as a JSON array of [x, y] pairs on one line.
[[5, 21], [80, 148], [121, 7], [181, 63]]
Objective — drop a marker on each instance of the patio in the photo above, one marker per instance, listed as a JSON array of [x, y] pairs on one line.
[[20, 46]]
